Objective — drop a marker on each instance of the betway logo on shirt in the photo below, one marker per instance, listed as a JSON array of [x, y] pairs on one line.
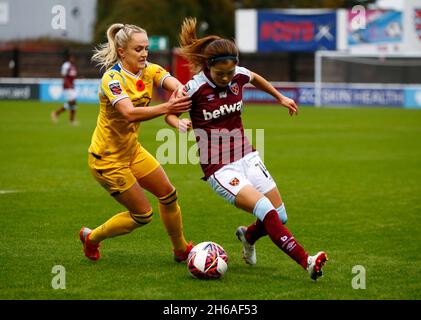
[[223, 110]]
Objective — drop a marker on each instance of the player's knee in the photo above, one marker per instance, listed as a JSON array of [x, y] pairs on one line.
[[282, 213], [169, 199], [142, 218]]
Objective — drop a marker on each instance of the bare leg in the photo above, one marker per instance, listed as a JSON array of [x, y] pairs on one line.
[[55, 114], [275, 197]]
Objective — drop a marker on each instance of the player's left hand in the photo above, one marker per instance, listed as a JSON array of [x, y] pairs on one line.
[[184, 125], [290, 104]]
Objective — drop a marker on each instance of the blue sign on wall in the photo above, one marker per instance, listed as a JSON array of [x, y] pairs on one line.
[[296, 32], [346, 96], [413, 98], [383, 27], [362, 97], [342, 96], [257, 96], [52, 90]]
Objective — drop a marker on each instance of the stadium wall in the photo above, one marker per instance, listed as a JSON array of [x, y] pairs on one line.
[[334, 94], [71, 20]]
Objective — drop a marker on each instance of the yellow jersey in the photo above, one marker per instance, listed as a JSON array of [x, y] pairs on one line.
[[114, 137]]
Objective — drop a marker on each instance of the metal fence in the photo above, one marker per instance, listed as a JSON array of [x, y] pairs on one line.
[[46, 62]]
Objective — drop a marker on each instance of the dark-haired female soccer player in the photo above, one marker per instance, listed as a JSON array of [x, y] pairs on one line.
[[69, 73], [230, 164]]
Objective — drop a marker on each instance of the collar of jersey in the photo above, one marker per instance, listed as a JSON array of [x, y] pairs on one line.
[[207, 78], [206, 75], [136, 76]]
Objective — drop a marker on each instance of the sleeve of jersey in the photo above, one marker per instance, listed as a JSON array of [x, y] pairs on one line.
[[191, 87], [65, 68], [112, 86], [244, 71], [159, 75]]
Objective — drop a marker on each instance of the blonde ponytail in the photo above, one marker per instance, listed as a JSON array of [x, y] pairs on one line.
[[118, 35]]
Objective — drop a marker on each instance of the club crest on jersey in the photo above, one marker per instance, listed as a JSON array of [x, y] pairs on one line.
[[235, 89], [234, 182], [115, 87]]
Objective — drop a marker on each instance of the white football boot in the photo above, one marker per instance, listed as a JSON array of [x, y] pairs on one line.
[[249, 250], [315, 264]]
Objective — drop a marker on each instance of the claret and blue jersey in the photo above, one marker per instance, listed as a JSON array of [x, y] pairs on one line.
[[216, 118]]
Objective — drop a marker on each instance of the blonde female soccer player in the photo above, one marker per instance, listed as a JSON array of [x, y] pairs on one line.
[[232, 167], [116, 159]]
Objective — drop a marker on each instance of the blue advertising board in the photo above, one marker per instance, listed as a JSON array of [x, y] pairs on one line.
[[252, 94], [341, 96], [383, 26], [362, 97], [52, 90], [413, 98], [279, 31]]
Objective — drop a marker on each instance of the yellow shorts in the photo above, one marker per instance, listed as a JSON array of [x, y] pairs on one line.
[[118, 176]]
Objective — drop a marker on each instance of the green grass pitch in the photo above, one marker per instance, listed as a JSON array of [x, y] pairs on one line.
[[350, 179]]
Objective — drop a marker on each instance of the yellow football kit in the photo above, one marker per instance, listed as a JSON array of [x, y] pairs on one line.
[[116, 158]]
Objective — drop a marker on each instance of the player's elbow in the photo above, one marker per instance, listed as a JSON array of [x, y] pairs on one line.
[[131, 118], [168, 119], [127, 110], [128, 115]]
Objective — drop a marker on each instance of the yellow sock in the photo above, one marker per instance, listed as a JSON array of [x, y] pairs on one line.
[[121, 223], [171, 217]]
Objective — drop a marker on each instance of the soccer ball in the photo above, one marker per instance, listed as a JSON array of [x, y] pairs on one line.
[[207, 260]]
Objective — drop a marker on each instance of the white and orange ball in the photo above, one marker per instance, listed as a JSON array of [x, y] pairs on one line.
[[207, 260]]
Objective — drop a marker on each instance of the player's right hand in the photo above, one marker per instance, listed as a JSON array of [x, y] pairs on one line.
[[178, 105]]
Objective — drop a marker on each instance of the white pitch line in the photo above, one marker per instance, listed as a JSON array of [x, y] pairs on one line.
[[8, 191]]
